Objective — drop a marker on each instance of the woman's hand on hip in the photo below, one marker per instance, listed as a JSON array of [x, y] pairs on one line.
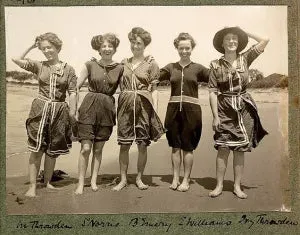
[[216, 124]]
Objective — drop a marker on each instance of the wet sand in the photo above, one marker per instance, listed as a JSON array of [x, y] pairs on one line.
[[265, 176]]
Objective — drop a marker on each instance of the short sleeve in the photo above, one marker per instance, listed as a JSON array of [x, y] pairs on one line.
[[203, 75], [121, 70], [154, 73], [88, 66], [32, 66], [165, 73], [72, 81], [251, 54], [212, 82]]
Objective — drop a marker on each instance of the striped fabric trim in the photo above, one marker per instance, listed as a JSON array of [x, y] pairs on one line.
[[48, 101], [40, 130], [240, 118], [60, 151], [53, 106], [236, 104], [257, 50], [129, 141], [43, 98], [134, 111], [233, 93], [232, 143], [184, 98]]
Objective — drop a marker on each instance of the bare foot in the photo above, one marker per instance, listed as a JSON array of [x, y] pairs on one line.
[[31, 191], [141, 185], [183, 187], [121, 185], [79, 189], [50, 186], [216, 192], [174, 185], [94, 187], [239, 193]]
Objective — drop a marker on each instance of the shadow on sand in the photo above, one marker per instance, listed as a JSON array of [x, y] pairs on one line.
[[106, 180]]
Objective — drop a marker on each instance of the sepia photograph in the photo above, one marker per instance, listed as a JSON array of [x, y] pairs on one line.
[[146, 109]]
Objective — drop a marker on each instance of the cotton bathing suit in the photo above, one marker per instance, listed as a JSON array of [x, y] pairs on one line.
[[137, 119], [48, 125], [240, 127], [97, 113], [184, 116]]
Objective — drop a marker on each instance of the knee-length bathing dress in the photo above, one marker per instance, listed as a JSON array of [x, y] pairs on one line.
[[48, 125], [240, 127], [137, 119], [97, 113], [184, 116]]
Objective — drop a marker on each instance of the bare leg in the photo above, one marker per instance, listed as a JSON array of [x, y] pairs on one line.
[[123, 160], [221, 165], [97, 157], [86, 146], [176, 162], [238, 168], [141, 163], [188, 164], [49, 166], [34, 167]]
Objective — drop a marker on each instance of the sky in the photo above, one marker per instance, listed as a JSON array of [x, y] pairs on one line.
[[75, 26]]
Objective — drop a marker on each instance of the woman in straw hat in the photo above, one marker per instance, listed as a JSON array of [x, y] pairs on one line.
[[235, 117]]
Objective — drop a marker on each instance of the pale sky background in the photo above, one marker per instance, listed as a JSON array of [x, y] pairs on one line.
[[76, 25]]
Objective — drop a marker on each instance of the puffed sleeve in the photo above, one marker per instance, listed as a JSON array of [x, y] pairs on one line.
[[32, 66], [165, 73], [72, 81], [154, 73], [212, 82], [251, 54], [203, 74]]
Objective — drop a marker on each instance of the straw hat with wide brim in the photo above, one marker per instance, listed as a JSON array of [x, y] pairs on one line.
[[242, 36]]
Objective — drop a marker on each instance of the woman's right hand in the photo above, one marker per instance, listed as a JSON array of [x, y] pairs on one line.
[[21, 61], [216, 123], [35, 44]]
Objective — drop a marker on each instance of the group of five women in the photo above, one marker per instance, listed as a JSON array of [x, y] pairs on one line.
[[235, 118]]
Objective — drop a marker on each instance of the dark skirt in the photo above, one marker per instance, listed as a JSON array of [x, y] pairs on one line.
[[48, 127], [240, 126], [183, 127], [137, 120]]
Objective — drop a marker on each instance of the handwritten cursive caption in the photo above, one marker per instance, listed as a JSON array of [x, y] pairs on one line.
[[150, 223], [23, 2]]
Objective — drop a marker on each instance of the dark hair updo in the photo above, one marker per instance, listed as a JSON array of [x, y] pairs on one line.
[[98, 40], [140, 32], [184, 36], [50, 37]]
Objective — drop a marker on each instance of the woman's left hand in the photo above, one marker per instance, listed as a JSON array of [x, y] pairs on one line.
[[72, 116], [73, 122]]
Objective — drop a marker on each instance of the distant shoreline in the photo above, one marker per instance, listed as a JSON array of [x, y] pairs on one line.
[[272, 81]]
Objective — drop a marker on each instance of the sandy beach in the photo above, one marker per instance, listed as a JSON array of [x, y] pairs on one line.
[[265, 178]]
